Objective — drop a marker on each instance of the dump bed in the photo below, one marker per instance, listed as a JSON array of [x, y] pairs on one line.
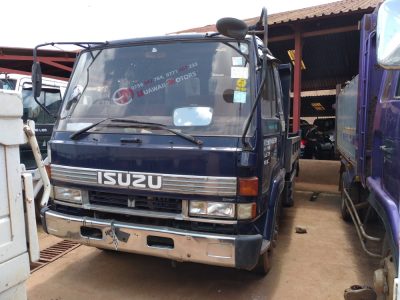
[[292, 151], [346, 121]]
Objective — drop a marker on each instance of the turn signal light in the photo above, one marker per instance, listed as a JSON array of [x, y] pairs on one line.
[[248, 186], [246, 211]]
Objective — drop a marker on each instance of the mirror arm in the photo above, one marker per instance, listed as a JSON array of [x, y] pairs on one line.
[[256, 47], [264, 16], [263, 20]]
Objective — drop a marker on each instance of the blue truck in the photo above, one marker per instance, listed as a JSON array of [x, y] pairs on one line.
[[368, 140], [175, 146]]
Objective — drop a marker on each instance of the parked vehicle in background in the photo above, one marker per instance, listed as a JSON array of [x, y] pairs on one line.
[[318, 141], [326, 126], [302, 123], [368, 140], [304, 146], [51, 98], [175, 146]]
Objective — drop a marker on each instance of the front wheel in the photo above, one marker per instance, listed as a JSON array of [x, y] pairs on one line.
[[264, 263]]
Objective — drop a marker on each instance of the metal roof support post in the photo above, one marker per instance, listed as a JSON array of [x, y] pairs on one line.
[[298, 45]]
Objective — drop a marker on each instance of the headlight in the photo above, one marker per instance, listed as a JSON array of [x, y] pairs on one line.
[[212, 209], [67, 194]]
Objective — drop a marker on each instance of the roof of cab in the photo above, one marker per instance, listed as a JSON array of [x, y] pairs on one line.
[[170, 37]]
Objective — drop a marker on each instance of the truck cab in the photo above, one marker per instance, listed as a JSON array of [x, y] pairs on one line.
[[51, 98], [174, 146]]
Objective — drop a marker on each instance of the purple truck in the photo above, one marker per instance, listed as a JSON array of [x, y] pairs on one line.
[[368, 140]]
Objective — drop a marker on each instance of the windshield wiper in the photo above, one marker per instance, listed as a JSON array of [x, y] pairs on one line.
[[186, 136], [77, 133]]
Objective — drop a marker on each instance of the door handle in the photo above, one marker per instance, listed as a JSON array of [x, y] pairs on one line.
[[386, 149]]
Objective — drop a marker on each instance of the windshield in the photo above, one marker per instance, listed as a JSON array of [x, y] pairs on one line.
[[198, 88], [49, 97], [7, 84]]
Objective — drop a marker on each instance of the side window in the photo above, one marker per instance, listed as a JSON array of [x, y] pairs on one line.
[[279, 97], [278, 91], [389, 81], [53, 100], [268, 103], [50, 98], [270, 123], [7, 84], [397, 94]]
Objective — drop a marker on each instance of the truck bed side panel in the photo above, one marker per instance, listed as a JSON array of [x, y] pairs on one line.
[[346, 121]]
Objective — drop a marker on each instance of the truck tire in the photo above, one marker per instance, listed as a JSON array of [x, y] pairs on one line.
[[287, 194], [265, 260], [264, 263], [385, 275]]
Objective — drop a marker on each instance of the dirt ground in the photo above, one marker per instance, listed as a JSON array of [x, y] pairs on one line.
[[317, 265]]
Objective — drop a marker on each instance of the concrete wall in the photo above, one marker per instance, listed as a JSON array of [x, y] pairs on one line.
[[318, 175]]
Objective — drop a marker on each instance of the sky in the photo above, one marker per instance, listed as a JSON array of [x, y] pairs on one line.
[[29, 23]]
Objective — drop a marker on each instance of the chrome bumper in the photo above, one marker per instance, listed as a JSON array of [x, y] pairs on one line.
[[239, 251]]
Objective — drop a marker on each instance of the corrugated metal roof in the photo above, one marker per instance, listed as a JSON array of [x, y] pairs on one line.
[[330, 9]]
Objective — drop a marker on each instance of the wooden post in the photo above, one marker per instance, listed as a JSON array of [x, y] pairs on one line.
[[297, 79]]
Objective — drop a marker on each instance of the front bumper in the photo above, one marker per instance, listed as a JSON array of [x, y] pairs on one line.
[[238, 251]]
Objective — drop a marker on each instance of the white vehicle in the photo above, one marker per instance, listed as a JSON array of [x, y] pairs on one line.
[[51, 98], [17, 210]]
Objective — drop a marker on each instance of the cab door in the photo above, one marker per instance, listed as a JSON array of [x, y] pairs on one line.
[[271, 128], [271, 114], [390, 147]]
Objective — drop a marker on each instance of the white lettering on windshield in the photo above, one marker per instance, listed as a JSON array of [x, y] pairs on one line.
[[169, 82], [161, 81]]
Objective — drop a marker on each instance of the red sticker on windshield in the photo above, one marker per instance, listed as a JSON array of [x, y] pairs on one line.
[[123, 96]]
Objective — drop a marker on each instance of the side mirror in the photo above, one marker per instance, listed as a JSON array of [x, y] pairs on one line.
[[232, 28], [388, 35], [36, 79]]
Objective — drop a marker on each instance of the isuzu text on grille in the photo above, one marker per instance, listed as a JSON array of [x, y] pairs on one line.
[[130, 179]]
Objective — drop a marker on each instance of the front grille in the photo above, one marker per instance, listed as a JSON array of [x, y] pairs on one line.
[[158, 204], [170, 183]]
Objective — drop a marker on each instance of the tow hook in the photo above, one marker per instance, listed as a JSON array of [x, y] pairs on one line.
[[358, 292]]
